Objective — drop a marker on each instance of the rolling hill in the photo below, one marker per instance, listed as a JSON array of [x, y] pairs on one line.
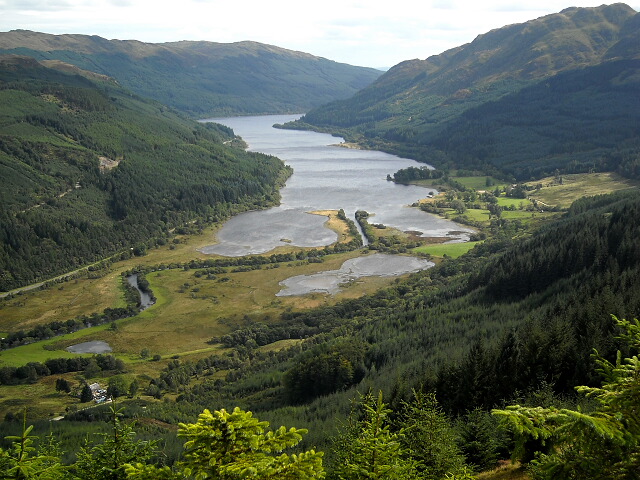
[[89, 170], [203, 78], [560, 91]]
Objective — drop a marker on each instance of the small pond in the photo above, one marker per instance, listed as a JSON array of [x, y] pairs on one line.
[[95, 346]]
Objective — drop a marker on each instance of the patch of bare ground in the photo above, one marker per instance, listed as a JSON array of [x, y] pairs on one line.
[[107, 163], [505, 471]]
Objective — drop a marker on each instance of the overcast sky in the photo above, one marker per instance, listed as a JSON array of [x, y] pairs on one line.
[[372, 33]]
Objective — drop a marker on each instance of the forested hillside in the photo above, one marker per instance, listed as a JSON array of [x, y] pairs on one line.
[[203, 78], [577, 121], [510, 316], [513, 321], [561, 91], [89, 170]]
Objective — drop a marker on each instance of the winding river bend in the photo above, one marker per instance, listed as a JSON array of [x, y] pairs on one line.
[[145, 299], [325, 177]]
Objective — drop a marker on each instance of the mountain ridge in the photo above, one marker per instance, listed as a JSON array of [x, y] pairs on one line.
[[83, 43], [202, 78], [412, 105], [90, 170]]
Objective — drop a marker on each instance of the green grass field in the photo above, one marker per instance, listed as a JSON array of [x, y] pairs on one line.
[[578, 186], [482, 215], [190, 310], [51, 348], [61, 302], [507, 202], [474, 182], [453, 250], [475, 214], [479, 182], [523, 215]]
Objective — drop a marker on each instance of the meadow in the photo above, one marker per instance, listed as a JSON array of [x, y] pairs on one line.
[[192, 308], [453, 250], [571, 187]]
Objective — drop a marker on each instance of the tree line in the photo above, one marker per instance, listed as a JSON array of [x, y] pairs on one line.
[[448, 330], [32, 371], [416, 441], [61, 210]]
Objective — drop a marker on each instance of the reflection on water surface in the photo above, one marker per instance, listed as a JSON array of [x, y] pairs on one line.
[[326, 177], [377, 264]]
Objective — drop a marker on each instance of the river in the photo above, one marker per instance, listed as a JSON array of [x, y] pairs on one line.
[[325, 177], [145, 298]]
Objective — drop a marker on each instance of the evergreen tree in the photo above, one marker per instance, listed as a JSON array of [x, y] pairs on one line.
[[430, 438], [22, 461], [370, 450], [108, 460], [604, 444], [85, 394], [62, 385], [236, 445], [133, 388], [482, 441]]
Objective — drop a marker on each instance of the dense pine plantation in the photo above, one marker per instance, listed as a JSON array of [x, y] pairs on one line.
[[513, 321], [566, 122], [89, 170]]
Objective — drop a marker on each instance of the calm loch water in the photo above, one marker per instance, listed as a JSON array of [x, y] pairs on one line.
[[326, 177]]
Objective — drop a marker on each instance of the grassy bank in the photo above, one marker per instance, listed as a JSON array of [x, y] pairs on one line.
[[563, 191], [453, 250], [190, 309]]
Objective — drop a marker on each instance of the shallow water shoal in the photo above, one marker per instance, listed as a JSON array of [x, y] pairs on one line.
[[377, 264], [325, 177]]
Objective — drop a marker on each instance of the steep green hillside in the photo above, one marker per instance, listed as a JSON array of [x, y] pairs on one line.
[[524, 99], [89, 169], [511, 319], [203, 78], [582, 120]]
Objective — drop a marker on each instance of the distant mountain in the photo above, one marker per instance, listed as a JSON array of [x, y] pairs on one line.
[[203, 78], [556, 92], [89, 170]]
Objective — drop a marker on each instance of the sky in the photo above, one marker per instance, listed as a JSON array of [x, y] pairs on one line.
[[371, 33]]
